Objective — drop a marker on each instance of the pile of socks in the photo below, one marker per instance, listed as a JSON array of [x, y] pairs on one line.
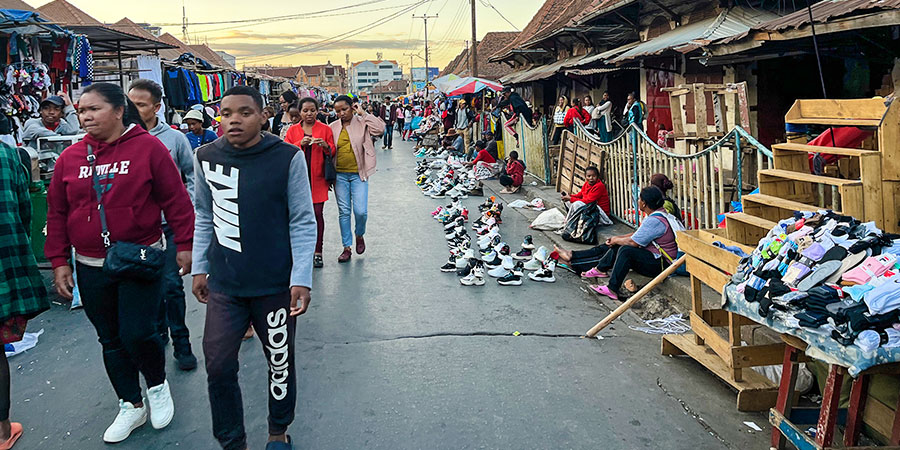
[[829, 274]]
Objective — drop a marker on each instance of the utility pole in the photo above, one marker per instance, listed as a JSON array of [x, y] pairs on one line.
[[468, 59], [411, 78], [474, 52], [425, 18], [184, 22]]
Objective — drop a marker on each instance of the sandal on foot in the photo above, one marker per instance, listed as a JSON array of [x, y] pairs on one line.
[[594, 273], [605, 290], [15, 432]]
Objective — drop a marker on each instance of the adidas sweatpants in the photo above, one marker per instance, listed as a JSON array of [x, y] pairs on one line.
[[227, 319]]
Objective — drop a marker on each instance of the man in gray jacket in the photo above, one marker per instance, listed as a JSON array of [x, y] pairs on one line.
[[146, 96], [58, 118]]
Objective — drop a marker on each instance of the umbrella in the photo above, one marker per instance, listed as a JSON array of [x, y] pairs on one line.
[[446, 82], [472, 85]]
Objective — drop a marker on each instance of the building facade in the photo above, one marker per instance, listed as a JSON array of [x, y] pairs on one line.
[[325, 76], [364, 74]]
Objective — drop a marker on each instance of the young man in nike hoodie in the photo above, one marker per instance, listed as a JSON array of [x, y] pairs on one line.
[[254, 239], [146, 96]]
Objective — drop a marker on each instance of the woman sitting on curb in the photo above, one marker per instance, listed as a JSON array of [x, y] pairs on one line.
[[593, 191], [647, 251]]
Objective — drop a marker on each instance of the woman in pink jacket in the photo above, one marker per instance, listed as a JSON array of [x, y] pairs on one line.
[[355, 163]]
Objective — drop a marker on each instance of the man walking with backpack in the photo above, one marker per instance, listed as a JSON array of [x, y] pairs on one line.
[[253, 244]]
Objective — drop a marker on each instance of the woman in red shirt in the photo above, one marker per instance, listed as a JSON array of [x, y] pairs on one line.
[[576, 112], [593, 191], [316, 140], [515, 174], [485, 164]]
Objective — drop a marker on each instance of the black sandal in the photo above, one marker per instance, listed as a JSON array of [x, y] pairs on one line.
[[317, 261]]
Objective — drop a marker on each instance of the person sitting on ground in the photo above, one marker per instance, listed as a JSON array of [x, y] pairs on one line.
[[453, 142], [664, 184], [515, 174], [197, 135], [58, 118], [647, 251], [593, 191], [485, 165]]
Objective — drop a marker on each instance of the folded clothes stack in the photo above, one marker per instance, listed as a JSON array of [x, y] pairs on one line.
[[830, 274]]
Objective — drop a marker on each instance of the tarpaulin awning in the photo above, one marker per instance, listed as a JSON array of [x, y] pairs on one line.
[[472, 85], [732, 21], [26, 22]]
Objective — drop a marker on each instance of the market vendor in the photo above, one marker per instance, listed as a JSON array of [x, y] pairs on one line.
[[593, 191], [57, 118], [647, 251]]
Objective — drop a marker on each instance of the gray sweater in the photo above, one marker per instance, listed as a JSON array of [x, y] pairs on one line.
[[181, 152], [255, 229], [34, 128]]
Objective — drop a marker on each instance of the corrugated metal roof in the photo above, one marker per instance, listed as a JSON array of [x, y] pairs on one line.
[[825, 10], [730, 22], [540, 72], [599, 70]]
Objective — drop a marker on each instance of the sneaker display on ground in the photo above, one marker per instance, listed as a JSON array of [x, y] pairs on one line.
[[496, 262], [475, 278], [511, 279], [523, 254], [528, 243], [499, 271], [162, 408], [545, 274], [128, 420], [450, 266]]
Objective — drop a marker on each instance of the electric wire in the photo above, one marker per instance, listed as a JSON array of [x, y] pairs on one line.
[[272, 18]]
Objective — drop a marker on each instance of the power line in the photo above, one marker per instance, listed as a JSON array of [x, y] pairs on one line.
[[489, 4], [334, 39], [273, 18]]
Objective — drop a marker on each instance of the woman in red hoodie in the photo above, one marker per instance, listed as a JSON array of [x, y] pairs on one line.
[[576, 112], [593, 191], [316, 140], [138, 180]]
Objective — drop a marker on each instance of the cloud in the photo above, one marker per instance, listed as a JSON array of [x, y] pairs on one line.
[[251, 36]]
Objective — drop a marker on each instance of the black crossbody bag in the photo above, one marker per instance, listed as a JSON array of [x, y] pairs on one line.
[[124, 260]]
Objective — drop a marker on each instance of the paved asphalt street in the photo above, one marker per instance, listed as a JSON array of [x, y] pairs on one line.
[[394, 354]]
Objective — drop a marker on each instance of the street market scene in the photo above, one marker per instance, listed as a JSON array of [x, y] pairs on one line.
[[576, 224]]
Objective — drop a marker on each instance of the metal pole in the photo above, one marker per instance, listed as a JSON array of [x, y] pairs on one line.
[[119, 57], [474, 52]]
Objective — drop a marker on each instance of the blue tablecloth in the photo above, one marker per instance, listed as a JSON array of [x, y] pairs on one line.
[[821, 346]]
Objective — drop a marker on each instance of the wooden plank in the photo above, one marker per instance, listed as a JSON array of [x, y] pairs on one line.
[[775, 174], [758, 355], [720, 234], [889, 144], [690, 244], [805, 148], [713, 340], [700, 110], [848, 109], [873, 201], [697, 303], [879, 417], [755, 391], [709, 275], [838, 122], [747, 228], [791, 432], [777, 202], [891, 192], [677, 114], [720, 318], [852, 201], [734, 339]]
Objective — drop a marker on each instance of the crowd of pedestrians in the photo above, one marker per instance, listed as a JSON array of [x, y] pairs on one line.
[[137, 204]]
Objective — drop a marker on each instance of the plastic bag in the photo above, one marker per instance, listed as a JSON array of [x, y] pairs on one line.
[[29, 340], [518, 203], [584, 225], [550, 220]]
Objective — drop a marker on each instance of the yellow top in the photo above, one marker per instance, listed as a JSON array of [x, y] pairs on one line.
[[346, 159]]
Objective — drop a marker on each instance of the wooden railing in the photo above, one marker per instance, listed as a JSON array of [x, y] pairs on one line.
[[533, 146], [628, 161]]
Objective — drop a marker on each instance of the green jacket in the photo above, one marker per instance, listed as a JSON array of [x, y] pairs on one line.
[[22, 290]]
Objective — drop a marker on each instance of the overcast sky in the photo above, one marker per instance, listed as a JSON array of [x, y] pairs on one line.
[[299, 41]]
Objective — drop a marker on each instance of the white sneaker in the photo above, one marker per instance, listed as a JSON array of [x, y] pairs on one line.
[[128, 420], [474, 278], [162, 408], [533, 264], [545, 274], [498, 272]]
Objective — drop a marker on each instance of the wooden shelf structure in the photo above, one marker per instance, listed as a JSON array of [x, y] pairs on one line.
[[726, 357]]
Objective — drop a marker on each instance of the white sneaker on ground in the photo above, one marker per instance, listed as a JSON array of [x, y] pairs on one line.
[[162, 408], [128, 420]]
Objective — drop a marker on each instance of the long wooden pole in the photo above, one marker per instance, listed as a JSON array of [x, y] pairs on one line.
[[640, 294]]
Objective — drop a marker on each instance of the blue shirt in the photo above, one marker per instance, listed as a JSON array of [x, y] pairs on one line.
[[197, 141], [649, 231]]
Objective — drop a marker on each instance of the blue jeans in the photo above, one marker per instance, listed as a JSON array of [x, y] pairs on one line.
[[352, 193], [388, 135], [173, 307]]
